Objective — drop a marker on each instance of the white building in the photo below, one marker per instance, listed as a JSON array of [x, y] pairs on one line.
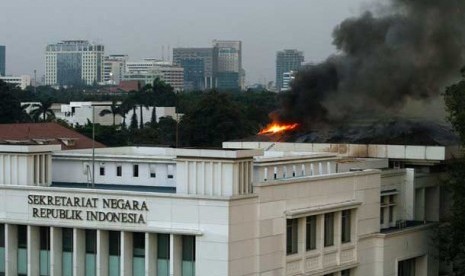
[[74, 62], [22, 81], [114, 68], [79, 113], [285, 209], [287, 79], [148, 70]]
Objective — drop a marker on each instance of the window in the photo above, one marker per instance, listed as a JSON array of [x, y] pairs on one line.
[[138, 254], [119, 170], [102, 170], [406, 268], [345, 272], [170, 171], [310, 233], [153, 172], [387, 212], [188, 256], [345, 226], [291, 246], [44, 253], [329, 229], [135, 170], [91, 251]]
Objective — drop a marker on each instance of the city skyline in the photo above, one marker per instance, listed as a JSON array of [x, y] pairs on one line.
[[263, 27]]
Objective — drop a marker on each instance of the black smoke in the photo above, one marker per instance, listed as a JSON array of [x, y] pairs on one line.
[[408, 51]]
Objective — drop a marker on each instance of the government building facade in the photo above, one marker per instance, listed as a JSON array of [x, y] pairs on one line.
[[247, 209]]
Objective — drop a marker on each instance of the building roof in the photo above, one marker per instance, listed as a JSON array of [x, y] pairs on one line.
[[130, 85], [45, 133]]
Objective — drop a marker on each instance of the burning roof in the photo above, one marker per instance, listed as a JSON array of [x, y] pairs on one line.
[[392, 132]]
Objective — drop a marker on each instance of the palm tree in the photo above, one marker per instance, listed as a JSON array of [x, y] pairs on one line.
[[114, 110], [125, 107], [43, 109]]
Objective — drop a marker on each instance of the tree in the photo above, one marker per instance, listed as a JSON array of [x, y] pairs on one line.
[[113, 110], [214, 120], [43, 109], [10, 106], [450, 235]]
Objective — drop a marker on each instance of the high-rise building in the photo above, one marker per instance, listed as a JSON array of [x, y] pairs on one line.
[[286, 61], [198, 67], [148, 70], [74, 62], [2, 60], [114, 68], [227, 64]]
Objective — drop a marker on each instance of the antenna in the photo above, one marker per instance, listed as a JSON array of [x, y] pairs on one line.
[[163, 52]]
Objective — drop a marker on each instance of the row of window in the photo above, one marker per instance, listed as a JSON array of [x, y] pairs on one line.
[[114, 250], [311, 231], [135, 171]]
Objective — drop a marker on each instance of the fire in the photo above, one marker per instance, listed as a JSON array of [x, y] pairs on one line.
[[274, 128]]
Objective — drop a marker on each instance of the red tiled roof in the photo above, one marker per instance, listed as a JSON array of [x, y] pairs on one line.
[[51, 133], [130, 85]]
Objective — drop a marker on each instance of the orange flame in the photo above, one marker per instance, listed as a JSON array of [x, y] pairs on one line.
[[274, 128]]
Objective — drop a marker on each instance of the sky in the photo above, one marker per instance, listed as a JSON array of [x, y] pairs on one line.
[[142, 28]]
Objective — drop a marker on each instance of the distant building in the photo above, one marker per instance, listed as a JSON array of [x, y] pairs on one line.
[[288, 77], [74, 62], [148, 70], [286, 61], [227, 65], [22, 81], [114, 68], [2, 60], [198, 67]]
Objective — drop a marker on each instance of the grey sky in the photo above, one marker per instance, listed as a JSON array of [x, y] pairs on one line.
[[140, 28]]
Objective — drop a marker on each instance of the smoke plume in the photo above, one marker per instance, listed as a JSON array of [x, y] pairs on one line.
[[408, 52]]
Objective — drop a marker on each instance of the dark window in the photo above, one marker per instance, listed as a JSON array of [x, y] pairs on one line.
[[391, 213], [119, 171], [188, 248], [163, 246], [91, 241], [406, 268], [291, 244], [44, 238], [381, 216], [138, 243], [345, 226], [345, 272], [135, 170], [114, 243], [67, 240], [311, 233], [22, 236], [329, 229], [2, 235], [102, 170]]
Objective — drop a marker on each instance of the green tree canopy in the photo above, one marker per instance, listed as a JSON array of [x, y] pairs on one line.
[[215, 119], [10, 105], [450, 236]]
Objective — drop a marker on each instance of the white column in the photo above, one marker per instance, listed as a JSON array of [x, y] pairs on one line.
[[175, 255], [33, 250], [11, 249], [102, 253], [79, 252], [150, 253], [56, 251], [126, 253]]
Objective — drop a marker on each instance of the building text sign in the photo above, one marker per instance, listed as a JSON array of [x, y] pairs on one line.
[[87, 208]]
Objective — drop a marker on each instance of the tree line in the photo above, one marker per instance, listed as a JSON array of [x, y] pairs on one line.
[[209, 117]]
